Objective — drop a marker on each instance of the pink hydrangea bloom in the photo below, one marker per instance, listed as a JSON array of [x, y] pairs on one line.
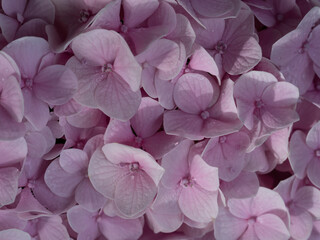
[[127, 175]]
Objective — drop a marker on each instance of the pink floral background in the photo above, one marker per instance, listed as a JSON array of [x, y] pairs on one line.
[[160, 119]]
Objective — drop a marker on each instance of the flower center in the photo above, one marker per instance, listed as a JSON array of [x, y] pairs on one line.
[[317, 153], [221, 47], [138, 140], [252, 220], [84, 15], [133, 167], [187, 182], [107, 68], [258, 103], [204, 115]]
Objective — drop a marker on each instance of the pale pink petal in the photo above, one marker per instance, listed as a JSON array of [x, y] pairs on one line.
[[13, 152], [118, 131], [165, 215], [299, 154], [148, 119], [241, 55], [12, 7], [118, 153], [313, 137], [134, 13], [115, 98], [55, 84], [193, 93], [35, 110], [28, 52], [271, 227], [214, 9], [198, 204], [97, 47], [40, 9], [88, 197], [8, 185], [265, 201], [249, 234], [14, 234], [61, 182], [279, 117], [103, 174], [164, 91], [9, 27], [202, 61], [313, 171], [117, 228], [160, 143], [86, 118], [245, 185], [134, 193], [227, 226], [73, 160], [241, 208], [176, 164], [301, 224], [12, 99], [51, 228], [308, 198], [313, 47], [205, 175], [83, 222], [183, 124]]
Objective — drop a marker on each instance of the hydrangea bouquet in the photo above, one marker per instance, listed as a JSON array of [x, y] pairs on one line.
[[160, 119]]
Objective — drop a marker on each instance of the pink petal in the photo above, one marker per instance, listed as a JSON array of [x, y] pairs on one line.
[[198, 204], [148, 119], [40, 9], [265, 201], [241, 208], [55, 84], [227, 226], [118, 153], [12, 98], [313, 137], [299, 154], [206, 176], [215, 9], [134, 14], [28, 52], [118, 131], [12, 7], [301, 224], [134, 193], [51, 228], [183, 124], [83, 222], [313, 171], [117, 228], [8, 185], [97, 47], [308, 198], [35, 110], [103, 174], [9, 27], [34, 27], [14, 234], [61, 182], [313, 47], [202, 61], [242, 54], [160, 143], [88, 197], [270, 227], [279, 117], [115, 98], [176, 164], [13, 152], [73, 160], [193, 93]]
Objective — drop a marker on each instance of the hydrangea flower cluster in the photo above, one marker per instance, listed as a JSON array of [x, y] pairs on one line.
[[160, 119]]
